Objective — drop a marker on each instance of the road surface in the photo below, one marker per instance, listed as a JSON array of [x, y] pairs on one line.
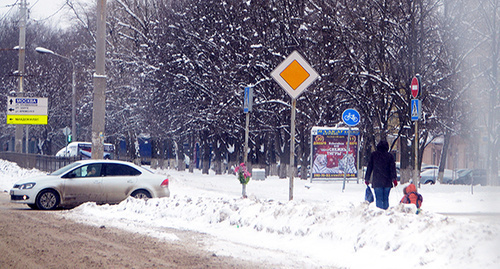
[[45, 239]]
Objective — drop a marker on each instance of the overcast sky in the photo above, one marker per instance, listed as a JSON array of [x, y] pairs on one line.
[[51, 11]]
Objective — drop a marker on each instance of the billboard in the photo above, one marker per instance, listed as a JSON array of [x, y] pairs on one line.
[[329, 160]]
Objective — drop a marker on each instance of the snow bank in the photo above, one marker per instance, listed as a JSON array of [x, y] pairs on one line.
[[322, 227]]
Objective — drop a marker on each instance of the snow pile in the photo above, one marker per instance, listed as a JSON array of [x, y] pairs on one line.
[[313, 234], [322, 227], [11, 172]]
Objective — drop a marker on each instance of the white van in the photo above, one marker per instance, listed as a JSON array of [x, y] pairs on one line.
[[84, 150]]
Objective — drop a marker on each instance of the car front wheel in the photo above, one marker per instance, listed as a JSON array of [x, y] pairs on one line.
[[141, 194], [47, 200]]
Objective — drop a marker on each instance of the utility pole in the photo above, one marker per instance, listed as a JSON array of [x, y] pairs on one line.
[[73, 103], [99, 107], [492, 131], [18, 146]]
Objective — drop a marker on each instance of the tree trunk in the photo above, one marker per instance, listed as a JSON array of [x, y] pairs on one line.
[[192, 150], [179, 153], [444, 154], [234, 155], [271, 156], [305, 148], [284, 153], [260, 152], [206, 153], [405, 170], [218, 156], [421, 148]]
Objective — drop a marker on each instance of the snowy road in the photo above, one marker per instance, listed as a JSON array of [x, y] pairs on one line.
[[323, 227], [40, 239]]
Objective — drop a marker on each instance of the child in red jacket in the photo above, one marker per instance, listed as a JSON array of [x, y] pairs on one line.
[[412, 196]]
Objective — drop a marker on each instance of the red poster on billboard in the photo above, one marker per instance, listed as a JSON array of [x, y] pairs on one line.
[[329, 157]]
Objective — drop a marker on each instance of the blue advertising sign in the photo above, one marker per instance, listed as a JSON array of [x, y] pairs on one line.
[[351, 117]]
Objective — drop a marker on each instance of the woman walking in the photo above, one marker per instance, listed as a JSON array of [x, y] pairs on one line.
[[383, 167]]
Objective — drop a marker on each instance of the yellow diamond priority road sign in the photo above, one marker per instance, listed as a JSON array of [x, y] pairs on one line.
[[294, 74]]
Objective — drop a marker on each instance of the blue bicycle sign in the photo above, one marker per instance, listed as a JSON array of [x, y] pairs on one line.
[[350, 117]]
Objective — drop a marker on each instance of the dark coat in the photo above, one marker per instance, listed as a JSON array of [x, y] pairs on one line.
[[382, 166]]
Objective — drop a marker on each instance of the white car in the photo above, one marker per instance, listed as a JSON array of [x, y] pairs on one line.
[[100, 181], [430, 176]]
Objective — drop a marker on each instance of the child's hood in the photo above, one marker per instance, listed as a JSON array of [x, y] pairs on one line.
[[411, 188]]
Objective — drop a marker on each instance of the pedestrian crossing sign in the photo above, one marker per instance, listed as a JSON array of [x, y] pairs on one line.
[[416, 109]]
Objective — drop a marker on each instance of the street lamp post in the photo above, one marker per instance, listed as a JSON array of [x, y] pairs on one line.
[[73, 95]]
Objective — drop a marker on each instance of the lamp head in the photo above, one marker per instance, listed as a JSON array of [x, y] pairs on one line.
[[44, 50]]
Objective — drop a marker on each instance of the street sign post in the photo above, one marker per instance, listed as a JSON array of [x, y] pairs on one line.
[[247, 107], [27, 110], [294, 75], [350, 117], [416, 112]]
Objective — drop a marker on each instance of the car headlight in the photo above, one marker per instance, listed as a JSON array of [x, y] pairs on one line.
[[27, 186]]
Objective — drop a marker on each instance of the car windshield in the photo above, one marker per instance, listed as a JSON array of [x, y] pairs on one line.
[[464, 172], [64, 169]]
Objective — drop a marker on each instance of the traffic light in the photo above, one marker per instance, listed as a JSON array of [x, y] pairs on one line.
[[70, 137]]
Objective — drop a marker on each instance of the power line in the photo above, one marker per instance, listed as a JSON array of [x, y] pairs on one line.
[[13, 5], [50, 16], [11, 8]]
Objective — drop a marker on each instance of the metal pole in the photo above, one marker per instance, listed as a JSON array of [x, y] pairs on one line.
[[247, 103], [311, 157], [73, 105], [99, 106], [245, 154], [345, 156], [358, 157], [18, 145], [292, 149], [416, 174], [27, 139], [73, 91]]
